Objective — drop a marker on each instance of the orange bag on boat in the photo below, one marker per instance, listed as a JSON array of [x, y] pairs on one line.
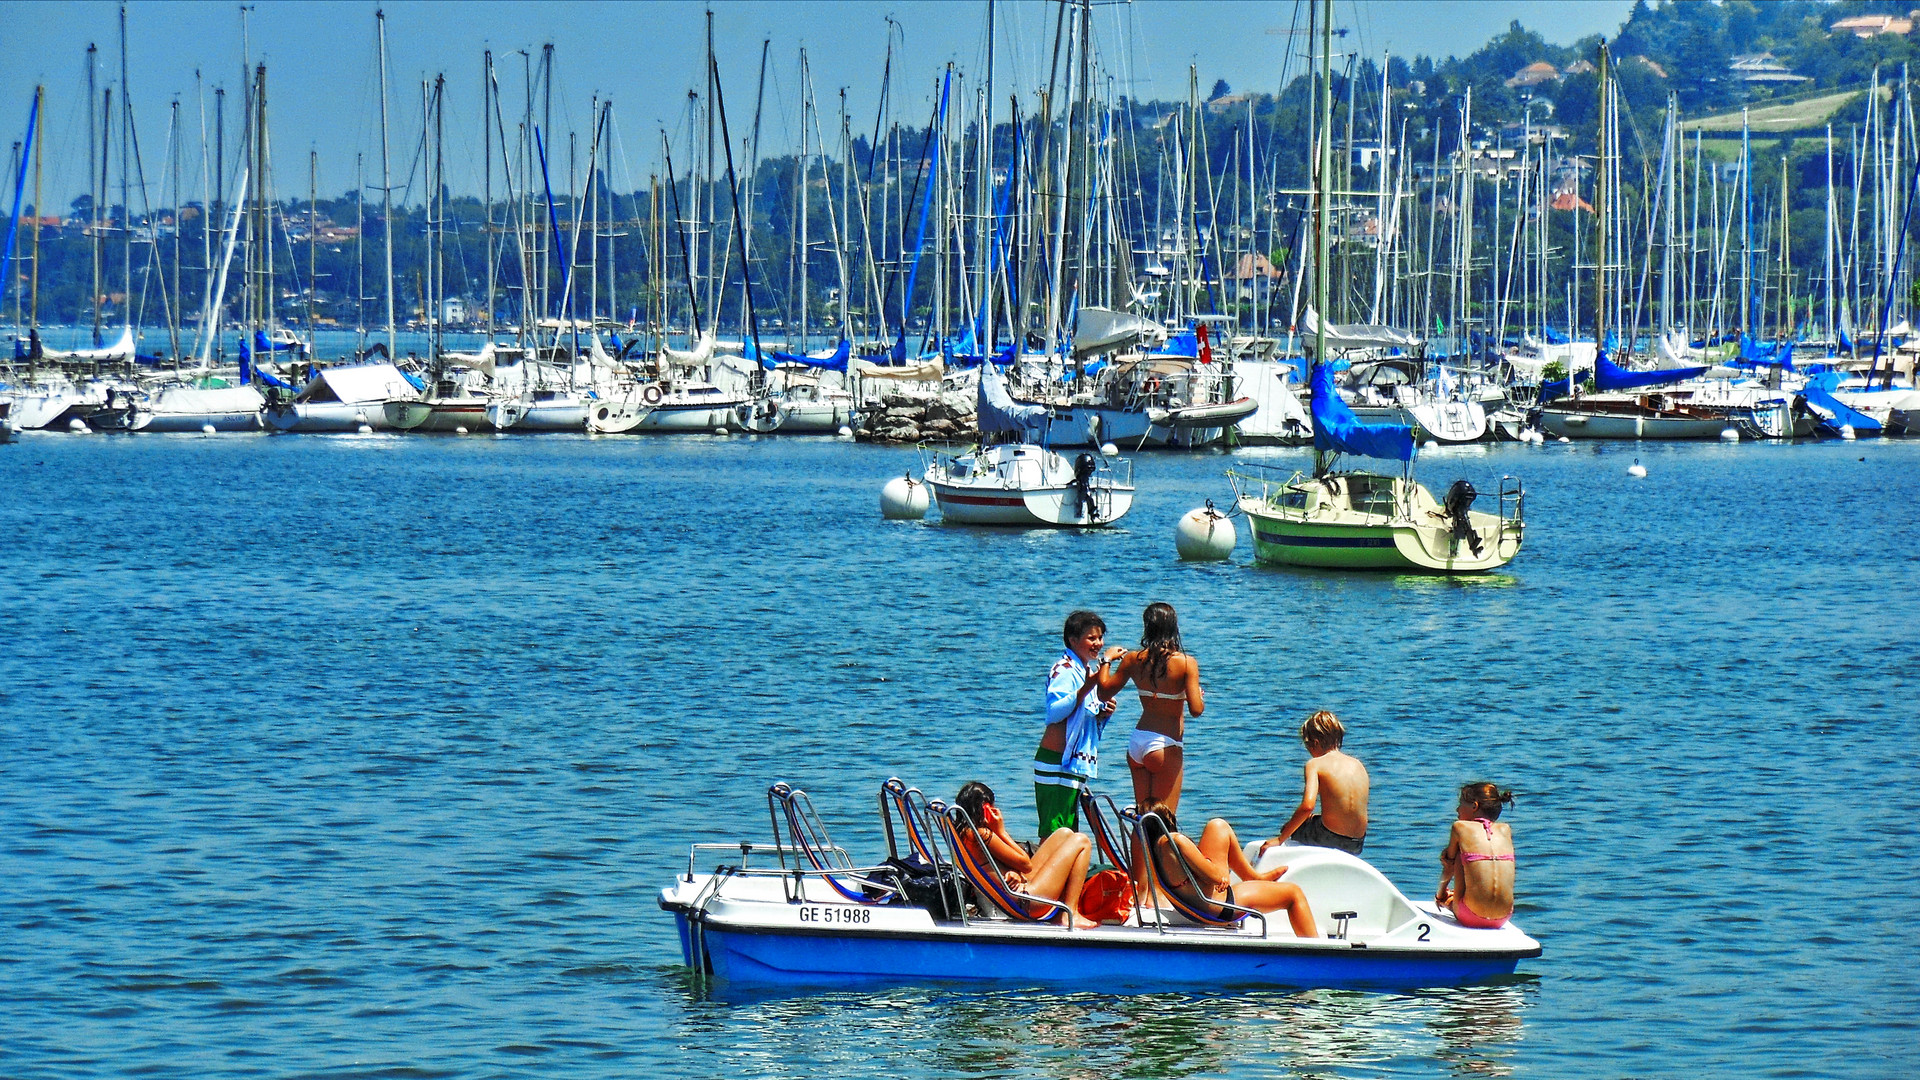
[[1107, 897]]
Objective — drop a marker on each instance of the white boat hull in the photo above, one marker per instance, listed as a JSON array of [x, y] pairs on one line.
[[1576, 424], [1025, 486], [309, 417]]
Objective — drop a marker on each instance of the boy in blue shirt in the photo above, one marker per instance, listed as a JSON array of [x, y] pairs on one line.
[[1078, 707]]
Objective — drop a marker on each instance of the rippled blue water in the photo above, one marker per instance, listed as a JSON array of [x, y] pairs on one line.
[[366, 756]]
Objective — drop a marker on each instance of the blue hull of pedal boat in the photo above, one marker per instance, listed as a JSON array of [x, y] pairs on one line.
[[786, 931]]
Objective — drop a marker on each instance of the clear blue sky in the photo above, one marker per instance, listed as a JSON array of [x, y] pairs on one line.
[[323, 79]]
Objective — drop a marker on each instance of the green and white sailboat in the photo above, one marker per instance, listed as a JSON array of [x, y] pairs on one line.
[[1356, 519]]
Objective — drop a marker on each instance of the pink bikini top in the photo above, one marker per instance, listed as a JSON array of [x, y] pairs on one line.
[[1474, 856]]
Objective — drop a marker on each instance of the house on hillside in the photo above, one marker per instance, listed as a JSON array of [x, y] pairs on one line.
[[1866, 26], [1533, 75], [1368, 151], [1763, 68]]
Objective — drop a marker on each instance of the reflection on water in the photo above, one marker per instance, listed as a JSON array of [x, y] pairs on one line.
[[1085, 1035]]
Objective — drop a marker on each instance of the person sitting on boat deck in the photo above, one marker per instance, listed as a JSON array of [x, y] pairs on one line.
[[1057, 869], [1216, 860], [1169, 683], [1476, 867], [1337, 781], [1078, 707]]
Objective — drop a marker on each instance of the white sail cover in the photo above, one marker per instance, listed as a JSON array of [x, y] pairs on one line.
[[119, 350], [701, 352], [929, 371], [1097, 330], [1357, 335]]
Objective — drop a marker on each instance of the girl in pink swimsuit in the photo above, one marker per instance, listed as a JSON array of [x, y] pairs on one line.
[[1476, 868]]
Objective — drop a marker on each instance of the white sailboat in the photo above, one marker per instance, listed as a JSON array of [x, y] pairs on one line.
[[1018, 482]]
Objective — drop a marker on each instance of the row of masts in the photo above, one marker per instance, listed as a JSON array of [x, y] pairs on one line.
[[998, 225]]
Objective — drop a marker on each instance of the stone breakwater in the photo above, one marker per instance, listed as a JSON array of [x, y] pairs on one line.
[[910, 418]]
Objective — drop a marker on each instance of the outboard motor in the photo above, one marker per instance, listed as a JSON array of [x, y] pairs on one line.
[[1083, 467], [1460, 500]]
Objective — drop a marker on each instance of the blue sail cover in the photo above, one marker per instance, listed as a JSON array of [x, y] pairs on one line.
[[1608, 375], [1001, 415], [1818, 394], [1337, 430], [1756, 354], [836, 362]]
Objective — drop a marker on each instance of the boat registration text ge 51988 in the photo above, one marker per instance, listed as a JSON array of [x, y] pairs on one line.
[[835, 914]]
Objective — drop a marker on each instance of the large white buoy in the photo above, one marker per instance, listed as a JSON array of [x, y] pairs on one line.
[[1430, 444], [1109, 449], [1205, 535], [76, 424], [366, 429], [1846, 431], [1564, 439], [1730, 434], [904, 499], [720, 429], [206, 429], [461, 430], [1636, 469], [846, 432]]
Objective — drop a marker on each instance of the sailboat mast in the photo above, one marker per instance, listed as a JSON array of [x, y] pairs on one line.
[[33, 282], [126, 201], [313, 227], [1322, 176], [1600, 215], [386, 184], [486, 156]]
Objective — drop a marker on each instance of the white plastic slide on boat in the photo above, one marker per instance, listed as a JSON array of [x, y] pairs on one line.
[[800, 912]]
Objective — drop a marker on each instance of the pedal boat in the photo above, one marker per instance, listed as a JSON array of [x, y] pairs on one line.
[[796, 913]]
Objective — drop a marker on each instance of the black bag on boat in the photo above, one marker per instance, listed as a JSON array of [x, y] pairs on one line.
[[937, 889]]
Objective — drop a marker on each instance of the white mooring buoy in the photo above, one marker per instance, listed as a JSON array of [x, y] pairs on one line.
[[366, 429], [904, 499], [1205, 535], [461, 430], [1430, 445], [77, 425], [1564, 439], [1636, 469], [720, 429], [1846, 431], [1109, 449], [846, 432], [1730, 434], [206, 429]]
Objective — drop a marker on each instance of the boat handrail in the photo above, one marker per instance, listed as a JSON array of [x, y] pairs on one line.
[[1513, 498], [879, 878], [746, 848], [1155, 888]]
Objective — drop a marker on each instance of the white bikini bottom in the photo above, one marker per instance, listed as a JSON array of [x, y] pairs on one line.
[[1144, 742]]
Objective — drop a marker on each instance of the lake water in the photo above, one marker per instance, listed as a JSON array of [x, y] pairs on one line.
[[367, 756]]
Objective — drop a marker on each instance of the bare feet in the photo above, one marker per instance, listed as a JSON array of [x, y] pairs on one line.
[[1273, 875], [1082, 923]]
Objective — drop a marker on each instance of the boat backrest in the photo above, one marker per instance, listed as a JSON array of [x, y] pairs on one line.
[[812, 845], [1113, 838], [977, 866], [1164, 861], [909, 806], [1335, 881]]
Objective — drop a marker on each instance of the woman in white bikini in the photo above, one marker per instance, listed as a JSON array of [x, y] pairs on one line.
[[1169, 684]]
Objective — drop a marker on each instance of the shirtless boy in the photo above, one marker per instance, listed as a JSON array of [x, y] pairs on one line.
[[1338, 782]]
